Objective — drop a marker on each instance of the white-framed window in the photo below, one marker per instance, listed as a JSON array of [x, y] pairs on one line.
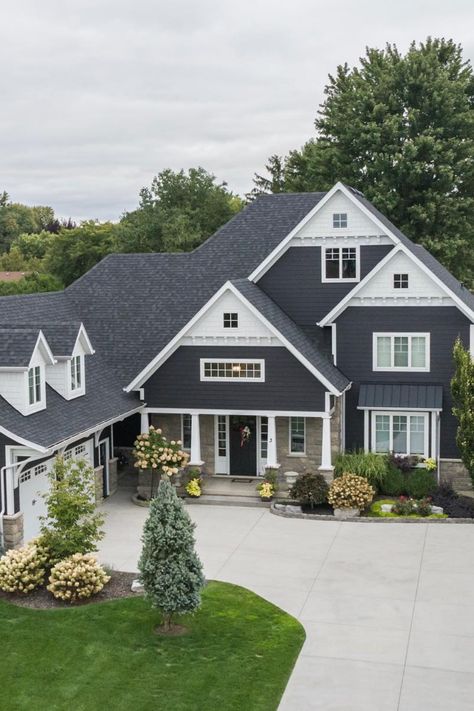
[[34, 385], [401, 351], [263, 438], [340, 264], [222, 436], [186, 424], [231, 320], [400, 432], [339, 219], [76, 373], [297, 435], [400, 281], [232, 370]]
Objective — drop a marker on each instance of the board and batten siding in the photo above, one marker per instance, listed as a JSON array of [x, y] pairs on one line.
[[288, 384], [294, 282], [355, 328]]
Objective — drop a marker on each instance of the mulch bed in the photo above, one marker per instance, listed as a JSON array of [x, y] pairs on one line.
[[320, 510], [118, 586]]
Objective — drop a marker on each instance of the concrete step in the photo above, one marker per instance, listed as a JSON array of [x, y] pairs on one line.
[[227, 500]]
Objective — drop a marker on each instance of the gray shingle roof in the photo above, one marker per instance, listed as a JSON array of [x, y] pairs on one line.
[[284, 324], [61, 337], [17, 346], [400, 395]]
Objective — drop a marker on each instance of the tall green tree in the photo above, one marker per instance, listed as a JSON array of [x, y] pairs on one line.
[[73, 251], [16, 219], [462, 388], [170, 570], [400, 128], [177, 212]]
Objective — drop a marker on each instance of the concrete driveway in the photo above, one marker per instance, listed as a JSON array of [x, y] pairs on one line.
[[388, 608]]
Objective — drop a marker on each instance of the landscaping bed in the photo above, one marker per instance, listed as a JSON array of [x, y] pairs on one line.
[[238, 654], [118, 586]]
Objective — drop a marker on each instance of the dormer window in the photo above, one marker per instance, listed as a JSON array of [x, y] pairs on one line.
[[231, 320], [339, 219], [76, 373], [340, 264], [34, 385]]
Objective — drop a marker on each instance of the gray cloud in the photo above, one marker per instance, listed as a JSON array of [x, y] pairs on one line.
[[97, 96]]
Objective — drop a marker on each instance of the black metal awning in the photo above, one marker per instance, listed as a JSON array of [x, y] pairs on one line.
[[400, 396]]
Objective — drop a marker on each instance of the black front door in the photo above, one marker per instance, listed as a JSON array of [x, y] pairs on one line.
[[243, 445]]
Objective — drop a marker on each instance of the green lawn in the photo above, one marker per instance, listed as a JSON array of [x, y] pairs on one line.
[[239, 655]]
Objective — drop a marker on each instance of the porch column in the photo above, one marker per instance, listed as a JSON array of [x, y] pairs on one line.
[[195, 459], [144, 422], [272, 460], [326, 467], [9, 490]]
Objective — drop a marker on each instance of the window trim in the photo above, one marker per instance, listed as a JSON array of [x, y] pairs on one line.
[[183, 415], [400, 279], [76, 389], [226, 361], [339, 280], [401, 369], [233, 316], [339, 215], [36, 387], [404, 413], [291, 453]]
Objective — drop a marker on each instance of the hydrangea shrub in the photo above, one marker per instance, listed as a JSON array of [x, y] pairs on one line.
[[350, 491], [77, 578], [24, 569]]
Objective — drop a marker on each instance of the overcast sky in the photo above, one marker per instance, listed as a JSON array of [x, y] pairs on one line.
[[97, 96]]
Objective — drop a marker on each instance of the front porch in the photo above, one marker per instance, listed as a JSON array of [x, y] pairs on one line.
[[241, 444]]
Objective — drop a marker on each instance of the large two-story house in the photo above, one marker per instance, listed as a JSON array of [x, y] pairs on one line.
[[307, 324]]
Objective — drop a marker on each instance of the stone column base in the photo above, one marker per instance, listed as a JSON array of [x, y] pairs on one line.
[[13, 530], [99, 484], [327, 472]]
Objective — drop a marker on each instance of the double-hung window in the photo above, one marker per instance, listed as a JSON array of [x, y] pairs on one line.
[[76, 373], [340, 264], [401, 433], [401, 351], [297, 435], [34, 385]]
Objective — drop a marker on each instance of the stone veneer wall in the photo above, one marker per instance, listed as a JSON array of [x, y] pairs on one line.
[[13, 531], [98, 484], [454, 471]]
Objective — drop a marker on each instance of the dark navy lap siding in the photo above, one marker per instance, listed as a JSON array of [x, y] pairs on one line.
[[288, 384], [294, 282], [355, 327]]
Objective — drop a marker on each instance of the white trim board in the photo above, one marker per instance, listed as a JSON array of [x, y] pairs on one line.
[[174, 344], [214, 411], [345, 302]]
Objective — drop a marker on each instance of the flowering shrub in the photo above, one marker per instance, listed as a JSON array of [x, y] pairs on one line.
[[24, 569], [153, 451], [266, 490], [77, 578], [193, 487], [350, 491], [408, 507], [430, 464]]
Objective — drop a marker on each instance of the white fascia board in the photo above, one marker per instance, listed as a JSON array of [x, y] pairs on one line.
[[270, 260], [339, 308], [342, 305], [174, 343], [23, 441], [84, 339], [170, 347], [47, 353], [400, 409]]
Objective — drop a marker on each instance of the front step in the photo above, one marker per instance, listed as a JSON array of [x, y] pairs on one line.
[[228, 500]]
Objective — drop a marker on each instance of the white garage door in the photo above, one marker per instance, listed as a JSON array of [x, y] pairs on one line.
[[34, 482]]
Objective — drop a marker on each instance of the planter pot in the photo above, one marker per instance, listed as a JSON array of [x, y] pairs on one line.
[[290, 478], [346, 513], [266, 498]]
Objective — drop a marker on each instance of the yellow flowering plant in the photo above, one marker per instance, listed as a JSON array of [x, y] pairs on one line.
[[430, 464], [266, 490], [154, 451], [193, 487], [350, 491]]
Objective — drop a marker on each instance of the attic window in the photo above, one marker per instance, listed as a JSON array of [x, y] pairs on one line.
[[231, 320], [339, 219], [76, 373], [34, 385], [400, 281]]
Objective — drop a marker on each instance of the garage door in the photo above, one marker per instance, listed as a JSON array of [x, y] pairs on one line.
[[34, 482]]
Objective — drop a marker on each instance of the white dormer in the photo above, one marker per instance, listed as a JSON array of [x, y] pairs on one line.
[[68, 375], [23, 373]]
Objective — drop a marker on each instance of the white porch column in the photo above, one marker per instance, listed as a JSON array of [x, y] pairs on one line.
[[272, 460], [144, 422], [10, 496], [326, 467], [195, 459]]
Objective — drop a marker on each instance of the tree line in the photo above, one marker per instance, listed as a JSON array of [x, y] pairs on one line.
[[398, 127]]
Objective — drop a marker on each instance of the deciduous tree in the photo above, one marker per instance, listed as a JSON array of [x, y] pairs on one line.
[[462, 387]]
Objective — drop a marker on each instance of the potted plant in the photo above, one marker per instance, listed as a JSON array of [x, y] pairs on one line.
[[349, 494], [266, 491], [161, 457], [193, 488]]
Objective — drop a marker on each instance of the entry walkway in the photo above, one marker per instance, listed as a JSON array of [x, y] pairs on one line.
[[388, 609]]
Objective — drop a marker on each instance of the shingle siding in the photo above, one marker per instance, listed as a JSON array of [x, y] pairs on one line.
[[288, 384], [294, 282], [354, 358]]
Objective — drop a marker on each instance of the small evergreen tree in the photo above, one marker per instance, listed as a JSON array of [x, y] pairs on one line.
[[72, 524], [170, 570], [462, 388]]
